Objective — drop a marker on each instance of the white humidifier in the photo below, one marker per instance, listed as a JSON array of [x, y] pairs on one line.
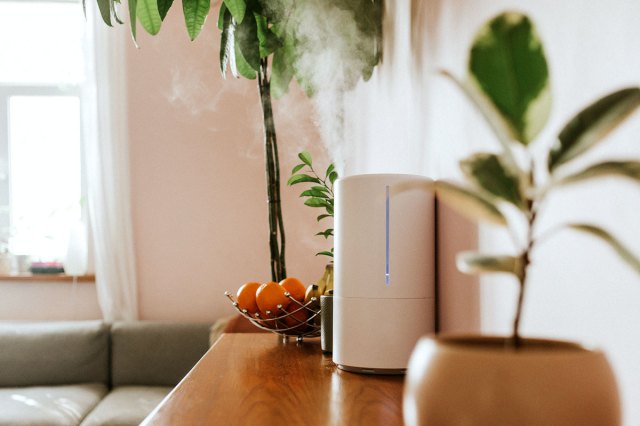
[[384, 271]]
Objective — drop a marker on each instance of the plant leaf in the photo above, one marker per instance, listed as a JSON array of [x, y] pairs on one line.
[[246, 39], [627, 169], [226, 39], [324, 253], [322, 216], [282, 69], [320, 188], [237, 9], [237, 60], [147, 11], [305, 157], [333, 176], [624, 253], [329, 169], [507, 61], [195, 13], [316, 202], [302, 178], [297, 168], [592, 124], [313, 193], [268, 42], [488, 172], [500, 127], [468, 203], [326, 233], [133, 20], [163, 7], [477, 263], [104, 6]]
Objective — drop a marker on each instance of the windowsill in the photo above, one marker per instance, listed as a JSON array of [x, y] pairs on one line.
[[48, 277]]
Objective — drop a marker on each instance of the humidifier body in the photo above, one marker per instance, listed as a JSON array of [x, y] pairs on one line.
[[384, 279]]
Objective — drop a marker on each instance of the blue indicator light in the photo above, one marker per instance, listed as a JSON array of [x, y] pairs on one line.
[[386, 271]]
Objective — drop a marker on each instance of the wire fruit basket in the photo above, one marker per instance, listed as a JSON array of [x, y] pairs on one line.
[[300, 319]]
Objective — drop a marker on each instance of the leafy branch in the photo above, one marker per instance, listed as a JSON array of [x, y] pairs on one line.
[[276, 42], [319, 195], [509, 85]]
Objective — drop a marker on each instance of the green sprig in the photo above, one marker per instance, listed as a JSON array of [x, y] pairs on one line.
[[319, 195]]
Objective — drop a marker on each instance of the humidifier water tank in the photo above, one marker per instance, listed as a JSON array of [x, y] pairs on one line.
[[384, 280]]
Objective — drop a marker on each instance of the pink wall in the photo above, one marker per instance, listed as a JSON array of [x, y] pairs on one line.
[[198, 181]]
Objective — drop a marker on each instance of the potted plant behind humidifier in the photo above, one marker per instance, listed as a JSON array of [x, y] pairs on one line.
[[515, 380]]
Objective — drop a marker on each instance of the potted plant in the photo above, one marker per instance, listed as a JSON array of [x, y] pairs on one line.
[[275, 42], [515, 380]]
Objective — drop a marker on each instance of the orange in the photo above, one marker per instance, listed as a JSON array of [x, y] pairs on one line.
[[296, 318], [295, 288], [269, 296], [246, 297]]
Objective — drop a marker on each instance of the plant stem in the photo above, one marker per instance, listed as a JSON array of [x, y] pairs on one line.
[[526, 261], [276, 224]]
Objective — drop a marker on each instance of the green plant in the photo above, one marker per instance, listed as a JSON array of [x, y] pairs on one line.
[[275, 41], [319, 195], [509, 84]]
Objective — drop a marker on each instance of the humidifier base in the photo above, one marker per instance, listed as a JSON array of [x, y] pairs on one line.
[[372, 335], [380, 371]]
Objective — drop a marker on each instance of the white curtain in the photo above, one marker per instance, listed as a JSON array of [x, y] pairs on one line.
[[107, 175], [409, 120]]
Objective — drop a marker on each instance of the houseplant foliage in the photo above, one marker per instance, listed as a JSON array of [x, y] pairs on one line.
[[336, 42], [320, 194], [508, 82], [496, 380]]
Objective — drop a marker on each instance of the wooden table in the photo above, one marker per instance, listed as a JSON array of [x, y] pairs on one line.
[[256, 379]]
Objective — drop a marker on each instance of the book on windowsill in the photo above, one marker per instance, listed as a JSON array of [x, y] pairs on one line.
[[46, 268]]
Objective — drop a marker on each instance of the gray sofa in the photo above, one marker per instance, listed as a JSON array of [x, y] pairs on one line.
[[92, 373]]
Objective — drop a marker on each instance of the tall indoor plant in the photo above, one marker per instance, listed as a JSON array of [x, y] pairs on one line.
[[520, 381], [275, 41]]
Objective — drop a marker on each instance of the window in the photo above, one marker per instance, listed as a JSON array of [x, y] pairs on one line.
[[42, 85]]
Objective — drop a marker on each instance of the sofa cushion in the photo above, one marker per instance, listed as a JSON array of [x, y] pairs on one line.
[[155, 353], [54, 353], [48, 405], [126, 406]]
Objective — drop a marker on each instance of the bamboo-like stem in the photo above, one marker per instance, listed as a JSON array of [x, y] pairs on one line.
[[276, 223]]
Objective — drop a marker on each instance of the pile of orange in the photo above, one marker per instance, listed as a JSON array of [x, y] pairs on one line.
[[270, 300]]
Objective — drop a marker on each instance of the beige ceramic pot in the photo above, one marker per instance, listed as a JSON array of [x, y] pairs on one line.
[[483, 381]]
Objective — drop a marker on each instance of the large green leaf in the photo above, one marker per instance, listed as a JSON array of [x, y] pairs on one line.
[[147, 11], [488, 172], [195, 13], [483, 104], [469, 203], [282, 67], [268, 42], [592, 124], [622, 251], [239, 64], [163, 7], [237, 9], [627, 169], [226, 39], [246, 40], [507, 61], [478, 263], [105, 7]]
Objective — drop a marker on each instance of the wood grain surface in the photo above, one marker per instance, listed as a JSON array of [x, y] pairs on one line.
[[256, 379]]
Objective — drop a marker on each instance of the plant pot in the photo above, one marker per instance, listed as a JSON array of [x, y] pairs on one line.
[[462, 380]]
